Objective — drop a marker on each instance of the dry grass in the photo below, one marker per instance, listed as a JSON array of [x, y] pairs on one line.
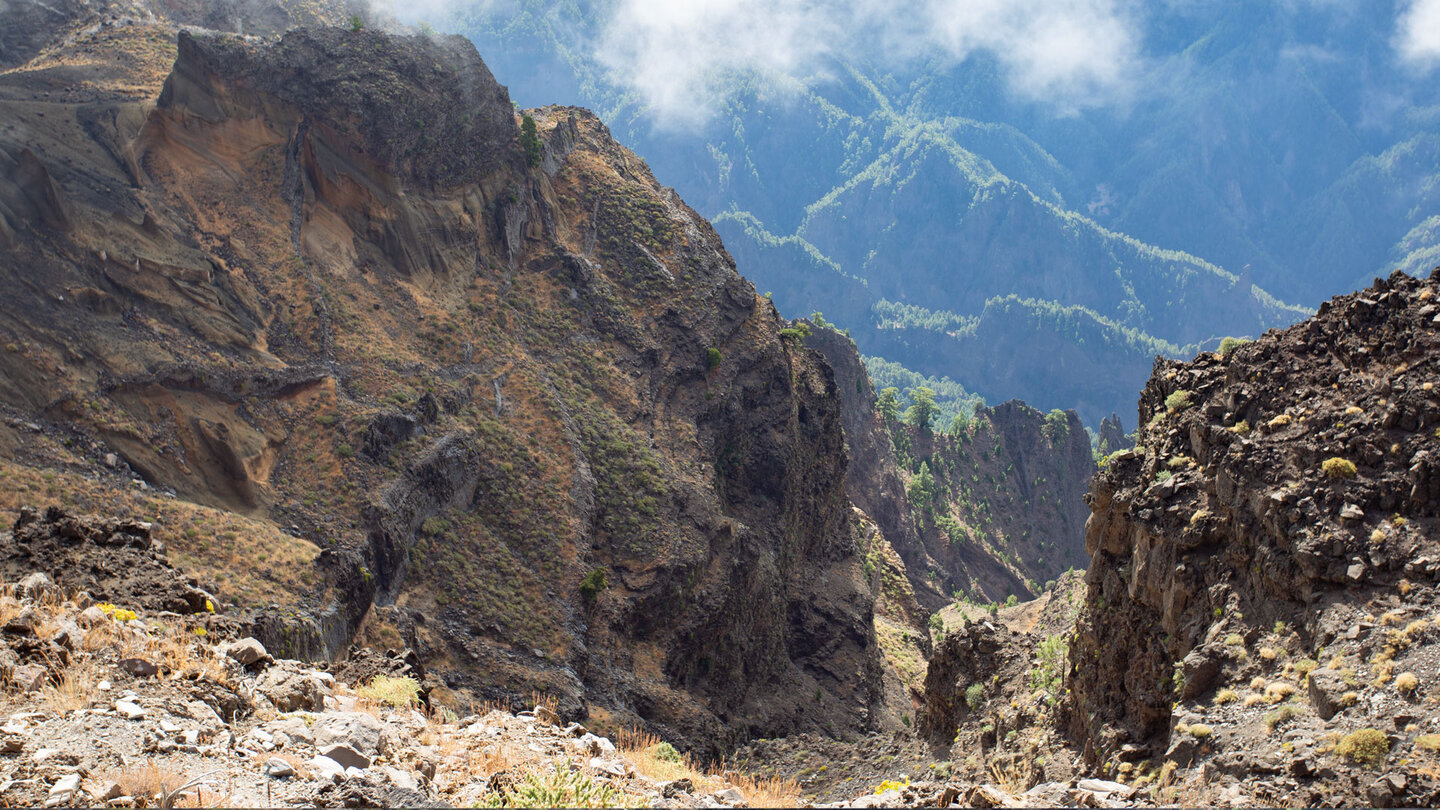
[[1406, 682], [153, 785], [1008, 778], [77, 687], [1278, 691], [642, 750]]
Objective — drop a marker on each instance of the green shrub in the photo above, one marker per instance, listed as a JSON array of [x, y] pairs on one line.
[[400, 693], [356, 24], [593, 583], [665, 752], [712, 358], [1200, 731], [1230, 344], [1281, 716], [1338, 467], [1178, 401], [565, 787], [796, 333], [1366, 746], [975, 696], [344, 450]]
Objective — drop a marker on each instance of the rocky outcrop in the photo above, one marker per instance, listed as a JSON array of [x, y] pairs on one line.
[[538, 428], [1012, 481], [1111, 436], [1279, 507], [113, 561]]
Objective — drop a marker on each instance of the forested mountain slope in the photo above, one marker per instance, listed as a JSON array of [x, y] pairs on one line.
[[963, 229]]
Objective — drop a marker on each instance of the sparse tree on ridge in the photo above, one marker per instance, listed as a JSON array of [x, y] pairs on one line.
[[922, 409]]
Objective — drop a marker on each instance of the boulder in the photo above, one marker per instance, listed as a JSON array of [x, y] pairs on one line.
[[93, 616], [345, 755], [1199, 669], [250, 653], [731, 795], [886, 798], [38, 587], [327, 769], [1325, 688], [291, 691], [139, 667], [1105, 787], [358, 730], [288, 731]]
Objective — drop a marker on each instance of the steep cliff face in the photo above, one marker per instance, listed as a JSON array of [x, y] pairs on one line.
[[1003, 511], [1276, 526], [526, 418]]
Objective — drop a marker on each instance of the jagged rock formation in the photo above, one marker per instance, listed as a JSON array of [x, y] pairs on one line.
[[111, 560], [1276, 527], [316, 282], [1013, 482], [1111, 436]]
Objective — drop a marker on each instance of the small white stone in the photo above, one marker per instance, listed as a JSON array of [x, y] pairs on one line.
[[129, 709], [104, 686], [327, 769], [277, 768], [63, 791]]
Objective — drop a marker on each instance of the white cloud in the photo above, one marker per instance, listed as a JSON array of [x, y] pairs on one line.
[[1069, 53], [1418, 37]]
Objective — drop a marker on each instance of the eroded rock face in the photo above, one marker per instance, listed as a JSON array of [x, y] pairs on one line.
[[1026, 470], [1273, 491], [323, 286]]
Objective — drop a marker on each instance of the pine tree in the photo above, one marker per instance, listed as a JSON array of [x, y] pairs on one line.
[[530, 141], [889, 404], [922, 410]]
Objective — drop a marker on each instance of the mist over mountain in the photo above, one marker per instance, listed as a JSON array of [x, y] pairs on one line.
[[1034, 198]]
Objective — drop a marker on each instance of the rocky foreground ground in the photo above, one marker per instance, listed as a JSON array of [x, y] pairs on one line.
[[161, 702]]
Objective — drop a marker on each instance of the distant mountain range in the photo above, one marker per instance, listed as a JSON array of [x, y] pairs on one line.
[[1272, 155]]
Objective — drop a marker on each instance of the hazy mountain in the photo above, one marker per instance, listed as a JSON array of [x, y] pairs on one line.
[[968, 211]]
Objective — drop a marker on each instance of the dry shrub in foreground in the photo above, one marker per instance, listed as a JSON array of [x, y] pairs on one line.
[[652, 757], [153, 785], [77, 687]]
